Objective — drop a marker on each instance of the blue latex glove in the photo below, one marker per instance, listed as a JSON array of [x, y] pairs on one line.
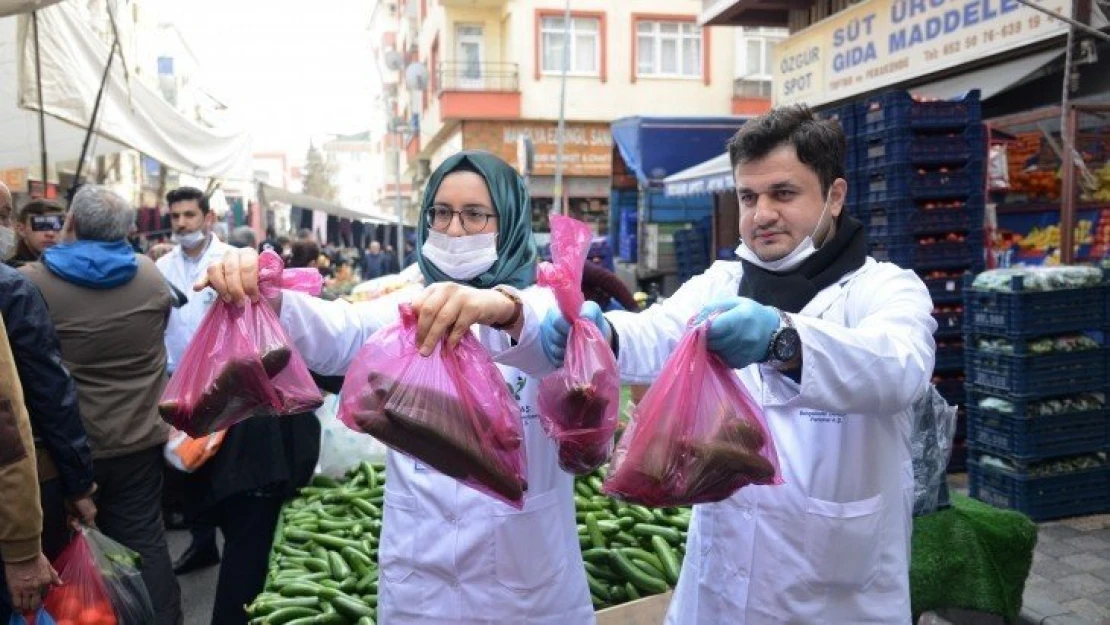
[[741, 333], [556, 330]]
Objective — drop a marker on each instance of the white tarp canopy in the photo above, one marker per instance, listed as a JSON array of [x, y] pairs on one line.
[[711, 176], [15, 7], [269, 193], [73, 58], [19, 128]]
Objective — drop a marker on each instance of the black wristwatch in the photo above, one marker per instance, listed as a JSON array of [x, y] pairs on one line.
[[786, 345]]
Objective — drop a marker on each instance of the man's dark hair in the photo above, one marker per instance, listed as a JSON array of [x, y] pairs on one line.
[[304, 252], [185, 194], [820, 144], [38, 207]]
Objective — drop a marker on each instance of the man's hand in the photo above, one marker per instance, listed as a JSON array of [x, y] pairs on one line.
[[741, 333], [83, 512], [555, 330], [27, 581], [447, 309]]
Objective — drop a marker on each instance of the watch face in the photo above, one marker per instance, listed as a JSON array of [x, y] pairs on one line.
[[786, 345]]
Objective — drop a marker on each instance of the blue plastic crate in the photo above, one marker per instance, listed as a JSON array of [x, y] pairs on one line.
[[1023, 314], [846, 115], [949, 358], [1040, 375], [1031, 438], [951, 388], [902, 182], [886, 219], [904, 146], [628, 249], [909, 253], [950, 323], [945, 289], [1041, 498], [897, 109]]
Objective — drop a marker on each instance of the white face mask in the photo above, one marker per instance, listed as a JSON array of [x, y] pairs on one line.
[[792, 260], [191, 240], [463, 257], [7, 242]]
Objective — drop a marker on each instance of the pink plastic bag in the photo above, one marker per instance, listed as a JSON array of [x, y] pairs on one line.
[[580, 403], [240, 363], [696, 437], [451, 410]]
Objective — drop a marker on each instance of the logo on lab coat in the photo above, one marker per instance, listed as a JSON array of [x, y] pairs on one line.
[[821, 416]]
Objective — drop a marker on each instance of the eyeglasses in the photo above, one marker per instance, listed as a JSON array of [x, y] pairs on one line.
[[473, 220]]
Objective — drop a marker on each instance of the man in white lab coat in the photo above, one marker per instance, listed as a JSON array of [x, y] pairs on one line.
[[197, 248], [835, 347]]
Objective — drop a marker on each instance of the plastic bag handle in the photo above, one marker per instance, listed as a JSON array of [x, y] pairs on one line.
[[273, 277]]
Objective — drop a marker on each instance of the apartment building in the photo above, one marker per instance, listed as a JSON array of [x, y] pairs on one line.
[[493, 75]]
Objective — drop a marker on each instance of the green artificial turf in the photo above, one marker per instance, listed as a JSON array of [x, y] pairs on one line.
[[971, 556]]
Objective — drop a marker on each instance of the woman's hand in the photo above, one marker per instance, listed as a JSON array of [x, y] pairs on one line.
[[449, 309], [235, 278]]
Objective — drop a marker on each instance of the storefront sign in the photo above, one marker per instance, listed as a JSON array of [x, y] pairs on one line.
[[883, 42], [587, 148]]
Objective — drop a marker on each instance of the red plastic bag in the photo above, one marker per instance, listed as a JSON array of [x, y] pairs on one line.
[[101, 584], [240, 363], [580, 403], [451, 410], [696, 437]]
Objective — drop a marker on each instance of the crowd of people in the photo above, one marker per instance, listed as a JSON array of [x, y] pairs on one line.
[[833, 345]]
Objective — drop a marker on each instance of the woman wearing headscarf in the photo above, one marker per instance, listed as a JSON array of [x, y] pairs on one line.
[[450, 555]]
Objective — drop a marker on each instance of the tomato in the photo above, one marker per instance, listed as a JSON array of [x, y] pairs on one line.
[[90, 616]]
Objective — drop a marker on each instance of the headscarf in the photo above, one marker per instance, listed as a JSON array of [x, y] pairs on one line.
[[516, 247]]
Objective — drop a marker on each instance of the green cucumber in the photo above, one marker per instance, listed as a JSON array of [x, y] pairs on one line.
[[667, 557]]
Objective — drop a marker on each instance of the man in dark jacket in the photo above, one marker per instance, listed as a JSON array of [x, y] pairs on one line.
[[65, 468], [110, 308]]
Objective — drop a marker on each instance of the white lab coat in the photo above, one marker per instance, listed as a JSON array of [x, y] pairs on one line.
[[831, 545], [450, 555], [184, 321]]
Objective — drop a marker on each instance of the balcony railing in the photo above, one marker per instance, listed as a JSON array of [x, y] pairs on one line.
[[465, 76]]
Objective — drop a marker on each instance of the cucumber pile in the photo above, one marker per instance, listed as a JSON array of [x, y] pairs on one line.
[[630, 551], [324, 560]]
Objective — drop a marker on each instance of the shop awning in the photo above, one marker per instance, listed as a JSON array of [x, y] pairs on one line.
[[132, 113], [268, 193], [704, 178], [990, 81], [656, 147]]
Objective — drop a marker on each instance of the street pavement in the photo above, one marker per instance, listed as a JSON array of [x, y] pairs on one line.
[[198, 589]]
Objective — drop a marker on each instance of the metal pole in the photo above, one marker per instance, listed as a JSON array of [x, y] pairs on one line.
[[95, 112], [42, 113], [1067, 134], [1063, 18], [400, 211], [562, 206]]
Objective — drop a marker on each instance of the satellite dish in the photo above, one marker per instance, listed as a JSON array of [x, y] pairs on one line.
[[393, 60], [416, 76]]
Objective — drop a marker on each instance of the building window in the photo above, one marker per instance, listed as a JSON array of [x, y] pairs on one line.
[[754, 71], [668, 49], [585, 45]]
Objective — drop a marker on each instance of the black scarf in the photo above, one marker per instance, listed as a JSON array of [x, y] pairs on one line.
[[791, 291]]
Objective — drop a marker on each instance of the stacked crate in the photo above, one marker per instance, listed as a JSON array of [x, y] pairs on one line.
[[1037, 417], [921, 171]]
